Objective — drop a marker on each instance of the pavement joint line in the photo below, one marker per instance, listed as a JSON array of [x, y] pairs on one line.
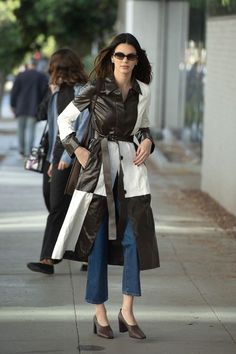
[[74, 305], [199, 291]]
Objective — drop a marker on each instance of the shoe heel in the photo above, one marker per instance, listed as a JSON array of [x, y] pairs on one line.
[[94, 328], [122, 327]]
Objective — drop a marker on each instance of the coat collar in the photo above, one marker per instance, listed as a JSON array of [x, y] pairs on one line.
[[110, 86]]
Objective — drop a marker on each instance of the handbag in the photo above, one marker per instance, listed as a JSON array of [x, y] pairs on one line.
[[35, 162]]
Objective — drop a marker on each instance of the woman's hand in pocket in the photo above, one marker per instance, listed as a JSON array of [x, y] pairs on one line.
[[49, 171], [62, 165], [82, 155]]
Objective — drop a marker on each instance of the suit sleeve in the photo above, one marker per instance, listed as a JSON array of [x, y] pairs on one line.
[[14, 92]]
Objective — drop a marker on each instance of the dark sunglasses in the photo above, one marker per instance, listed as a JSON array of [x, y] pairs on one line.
[[121, 56]]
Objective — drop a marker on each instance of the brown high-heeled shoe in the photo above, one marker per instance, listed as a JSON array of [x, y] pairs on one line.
[[102, 331], [134, 330]]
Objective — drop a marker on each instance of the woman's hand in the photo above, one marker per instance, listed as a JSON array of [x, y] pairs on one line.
[[82, 155], [143, 152], [49, 172], [62, 165]]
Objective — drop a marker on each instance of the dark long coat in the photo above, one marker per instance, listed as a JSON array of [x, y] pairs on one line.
[[117, 124]]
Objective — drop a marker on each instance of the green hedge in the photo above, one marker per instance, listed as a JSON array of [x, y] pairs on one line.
[[221, 7]]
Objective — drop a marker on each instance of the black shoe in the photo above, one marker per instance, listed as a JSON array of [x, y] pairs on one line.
[[84, 267], [41, 268]]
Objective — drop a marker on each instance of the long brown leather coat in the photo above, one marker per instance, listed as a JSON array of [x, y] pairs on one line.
[[109, 175]]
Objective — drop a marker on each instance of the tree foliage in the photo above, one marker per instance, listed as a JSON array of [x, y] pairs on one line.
[[26, 25], [12, 48], [74, 23]]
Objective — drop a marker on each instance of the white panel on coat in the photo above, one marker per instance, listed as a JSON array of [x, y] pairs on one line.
[[72, 224]]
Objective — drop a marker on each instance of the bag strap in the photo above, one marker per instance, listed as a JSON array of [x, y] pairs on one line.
[[44, 132]]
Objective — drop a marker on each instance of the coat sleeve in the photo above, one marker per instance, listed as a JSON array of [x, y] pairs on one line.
[[64, 97], [85, 97], [144, 131], [67, 119], [14, 92]]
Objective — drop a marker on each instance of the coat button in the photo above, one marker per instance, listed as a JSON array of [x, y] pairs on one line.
[[125, 191], [121, 157]]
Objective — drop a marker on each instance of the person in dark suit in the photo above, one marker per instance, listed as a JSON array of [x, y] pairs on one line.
[[27, 92]]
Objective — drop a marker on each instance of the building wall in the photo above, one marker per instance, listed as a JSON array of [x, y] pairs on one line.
[[176, 37], [219, 141], [161, 27], [146, 30]]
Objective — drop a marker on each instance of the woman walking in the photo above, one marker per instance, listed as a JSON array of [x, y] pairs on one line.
[[67, 77], [110, 220]]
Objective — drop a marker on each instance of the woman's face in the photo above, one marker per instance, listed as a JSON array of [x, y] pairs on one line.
[[124, 59]]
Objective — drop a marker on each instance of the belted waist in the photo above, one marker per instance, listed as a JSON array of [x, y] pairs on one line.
[[112, 137], [113, 229], [123, 138]]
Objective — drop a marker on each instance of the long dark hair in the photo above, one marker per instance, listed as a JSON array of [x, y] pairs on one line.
[[103, 66], [65, 67]]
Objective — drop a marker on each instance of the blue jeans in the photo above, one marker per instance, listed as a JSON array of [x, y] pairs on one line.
[[97, 288], [26, 131]]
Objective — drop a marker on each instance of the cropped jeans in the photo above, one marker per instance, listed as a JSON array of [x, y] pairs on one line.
[[97, 283]]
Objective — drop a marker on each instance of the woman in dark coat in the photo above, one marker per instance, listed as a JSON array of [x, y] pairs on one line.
[[67, 77], [110, 220]]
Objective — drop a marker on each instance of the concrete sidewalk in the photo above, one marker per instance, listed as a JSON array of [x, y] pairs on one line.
[[187, 307]]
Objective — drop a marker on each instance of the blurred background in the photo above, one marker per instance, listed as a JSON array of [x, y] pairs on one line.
[[192, 47]]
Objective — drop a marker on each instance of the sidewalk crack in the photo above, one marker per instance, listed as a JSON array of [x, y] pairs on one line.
[[74, 306]]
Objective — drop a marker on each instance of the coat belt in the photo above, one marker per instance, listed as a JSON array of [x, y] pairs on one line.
[[114, 229]]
